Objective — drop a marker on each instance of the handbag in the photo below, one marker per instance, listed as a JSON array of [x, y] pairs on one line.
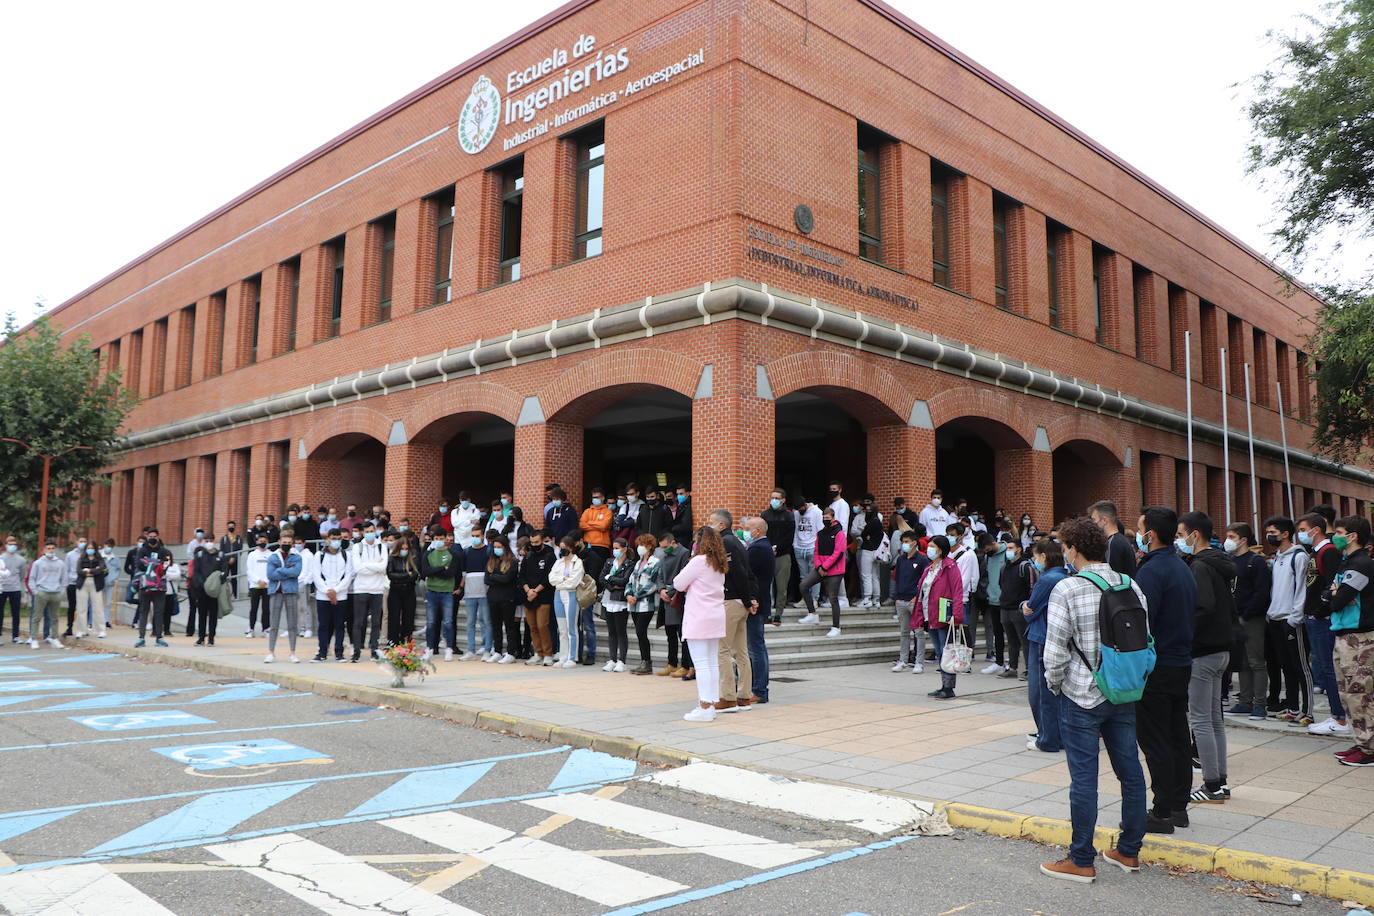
[[958, 656], [884, 551], [586, 591]]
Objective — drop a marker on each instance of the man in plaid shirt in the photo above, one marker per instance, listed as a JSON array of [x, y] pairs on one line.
[[1085, 714]]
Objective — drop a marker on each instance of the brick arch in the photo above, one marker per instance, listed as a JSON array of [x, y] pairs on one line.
[[1089, 428], [355, 423], [872, 394], [447, 408], [981, 404], [591, 386]]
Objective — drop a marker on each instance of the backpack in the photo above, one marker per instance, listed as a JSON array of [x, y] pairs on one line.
[[151, 578], [1127, 648]]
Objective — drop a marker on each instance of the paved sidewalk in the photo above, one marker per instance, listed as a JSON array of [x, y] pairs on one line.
[[871, 727]]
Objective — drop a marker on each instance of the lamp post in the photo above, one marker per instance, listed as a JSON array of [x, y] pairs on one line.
[[43, 493]]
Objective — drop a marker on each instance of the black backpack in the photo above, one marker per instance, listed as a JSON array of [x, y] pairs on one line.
[[1127, 648]]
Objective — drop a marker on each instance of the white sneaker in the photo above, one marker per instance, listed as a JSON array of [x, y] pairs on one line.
[[810, 618], [248, 633], [293, 660], [896, 617], [994, 668], [900, 666], [834, 631], [100, 635], [918, 668], [609, 666], [534, 660], [568, 663], [506, 659], [33, 644], [619, 667], [548, 661], [80, 634], [1328, 726], [55, 642], [427, 655], [269, 659], [306, 634], [467, 656], [448, 655], [700, 715]]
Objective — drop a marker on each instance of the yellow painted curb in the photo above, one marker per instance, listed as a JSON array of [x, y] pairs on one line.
[[1250, 866], [988, 820], [1165, 850], [1350, 885], [618, 745]]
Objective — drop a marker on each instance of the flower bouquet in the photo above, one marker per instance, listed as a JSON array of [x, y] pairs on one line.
[[402, 661]]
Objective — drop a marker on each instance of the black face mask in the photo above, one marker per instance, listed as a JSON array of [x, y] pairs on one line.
[[563, 552], [352, 514], [262, 544], [1273, 540], [834, 495]]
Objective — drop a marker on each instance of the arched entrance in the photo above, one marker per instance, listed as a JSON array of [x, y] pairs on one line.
[[974, 461], [643, 437], [1085, 472], [477, 455], [823, 434], [347, 468]]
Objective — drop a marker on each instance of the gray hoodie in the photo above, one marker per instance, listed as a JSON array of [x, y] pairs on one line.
[[12, 567], [48, 574]]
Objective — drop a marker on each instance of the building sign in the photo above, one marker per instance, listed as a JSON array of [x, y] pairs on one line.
[[526, 99], [812, 271]]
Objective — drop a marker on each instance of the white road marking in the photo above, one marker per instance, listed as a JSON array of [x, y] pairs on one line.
[[871, 811], [331, 881], [565, 869], [74, 890], [706, 839]]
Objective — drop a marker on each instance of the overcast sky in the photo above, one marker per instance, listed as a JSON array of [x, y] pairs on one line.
[[129, 121]]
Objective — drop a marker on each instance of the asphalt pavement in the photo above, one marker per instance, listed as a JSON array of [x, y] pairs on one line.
[[143, 789]]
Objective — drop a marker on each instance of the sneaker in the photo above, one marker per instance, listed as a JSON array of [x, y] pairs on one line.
[[809, 619], [1031, 744], [160, 642], [138, 643], [995, 668], [1241, 709], [609, 666], [100, 635], [1023, 676], [1353, 749], [1300, 722], [493, 658], [1180, 818], [1123, 862], [506, 659], [620, 667], [918, 668], [547, 661], [1286, 715], [269, 659], [33, 644], [698, 714], [1258, 713], [833, 632], [305, 634], [248, 633], [1009, 675], [534, 660], [1328, 726], [1206, 796], [467, 656], [1066, 869], [318, 658], [82, 634], [900, 666], [941, 694], [55, 642], [1358, 759], [294, 660], [448, 655], [568, 663], [1158, 824]]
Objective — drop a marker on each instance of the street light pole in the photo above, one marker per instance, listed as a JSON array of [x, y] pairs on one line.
[[43, 493]]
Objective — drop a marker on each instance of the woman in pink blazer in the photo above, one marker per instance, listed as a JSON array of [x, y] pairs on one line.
[[940, 605], [703, 617]]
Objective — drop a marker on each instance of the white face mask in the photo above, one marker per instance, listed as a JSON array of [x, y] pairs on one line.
[[935, 500], [642, 550], [1230, 545]]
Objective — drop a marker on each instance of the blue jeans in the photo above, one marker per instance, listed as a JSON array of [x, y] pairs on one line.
[[1323, 646], [565, 610], [941, 636], [805, 560], [479, 610], [758, 653], [1080, 728], [586, 629], [1044, 705], [438, 610]]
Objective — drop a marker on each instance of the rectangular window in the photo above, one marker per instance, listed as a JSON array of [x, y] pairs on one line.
[[1304, 395], [939, 225], [591, 186], [1176, 303], [291, 276], [1100, 266], [1264, 387], [512, 176], [386, 259], [1235, 354], [1139, 278], [870, 195], [112, 353], [157, 378], [335, 261], [1211, 358], [134, 379], [214, 334], [1054, 237], [1001, 211], [443, 246], [186, 345], [1281, 369], [254, 297]]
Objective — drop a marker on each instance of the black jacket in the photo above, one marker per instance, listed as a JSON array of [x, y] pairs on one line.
[[592, 561], [501, 587], [204, 564], [782, 529], [1215, 617], [682, 524], [763, 566], [1254, 582], [230, 545], [1121, 554], [93, 567], [402, 573], [534, 573], [655, 520], [307, 529], [739, 578], [872, 536], [1015, 581]]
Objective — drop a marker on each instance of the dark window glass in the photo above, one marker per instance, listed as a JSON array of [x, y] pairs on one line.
[[939, 225], [293, 300], [443, 246], [386, 258], [254, 320], [512, 198], [336, 286], [1054, 235], [870, 196], [1138, 280], [1100, 256], [591, 185], [1001, 208]]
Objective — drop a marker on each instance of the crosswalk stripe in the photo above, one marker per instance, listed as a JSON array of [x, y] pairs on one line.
[[75, 890], [206, 817], [707, 839], [436, 787], [567, 870], [331, 881]]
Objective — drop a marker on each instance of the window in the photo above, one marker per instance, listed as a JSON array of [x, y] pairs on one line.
[[1101, 266], [1211, 358], [291, 278], [254, 297], [591, 186], [1001, 211], [1304, 397], [939, 225], [134, 379], [512, 176], [1054, 238], [386, 259], [156, 380], [1177, 303], [186, 346], [1264, 388], [335, 260], [1235, 352], [870, 195], [443, 246], [1282, 366], [1139, 278]]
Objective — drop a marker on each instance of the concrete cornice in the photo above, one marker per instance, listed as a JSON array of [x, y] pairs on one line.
[[709, 303]]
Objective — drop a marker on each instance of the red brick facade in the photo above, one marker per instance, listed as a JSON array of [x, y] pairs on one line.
[[703, 173]]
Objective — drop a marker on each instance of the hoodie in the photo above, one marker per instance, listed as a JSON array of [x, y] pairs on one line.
[[1170, 602], [1351, 604], [1215, 616], [12, 568], [369, 567], [1253, 583], [1289, 592]]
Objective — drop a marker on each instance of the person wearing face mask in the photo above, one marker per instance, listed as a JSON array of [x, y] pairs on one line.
[[473, 561], [152, 568], [193, 595], [1162, 713], [1015, 578], [369, 559], [110, 597], [538, 594], [1026, 532], [907, 569], [985, 604], [782, 533], [565, 575], [255, 570], [935, 517], [90, 583], [230, 547], [207, 561], [615, 579], [1253, 586], [464, 515], [72, 559], [284, 568], [1326, 560], [1214, 623], [675, 556], [867, 530], [827, 571], [940, 606], [351, 519], [47, 580], [333, 574], [1048, 561], [627, 514], [681, 508], [560, 518], [1350, 604], [1120, 550], [13, 568], [655, 518], [763, 567], [1287, 603], [306, 527], [596, 523], [642, 594], [500, 583], [402, 574]]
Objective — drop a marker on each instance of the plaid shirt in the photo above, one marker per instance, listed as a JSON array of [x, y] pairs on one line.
[[1072, 615]]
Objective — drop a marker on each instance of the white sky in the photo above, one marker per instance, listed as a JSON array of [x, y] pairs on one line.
[[129, 121]]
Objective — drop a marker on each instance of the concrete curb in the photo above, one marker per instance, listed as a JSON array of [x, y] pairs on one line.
[[1337, 883]]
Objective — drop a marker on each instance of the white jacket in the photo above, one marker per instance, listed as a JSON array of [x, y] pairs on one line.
[[967, 559], [309, 566], [255, 567], [566, 573], [369, 567], [464, 519], [1289, 589], [333, 571]]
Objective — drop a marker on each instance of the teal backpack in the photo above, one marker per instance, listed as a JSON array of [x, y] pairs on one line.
[[1127, 648]]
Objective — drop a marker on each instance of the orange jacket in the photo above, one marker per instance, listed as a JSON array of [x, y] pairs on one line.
[[596, 525]]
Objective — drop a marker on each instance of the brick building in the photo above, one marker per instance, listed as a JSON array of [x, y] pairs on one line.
[[724, 242]]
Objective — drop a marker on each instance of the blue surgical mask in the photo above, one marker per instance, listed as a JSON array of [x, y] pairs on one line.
[[1140, 541], [90, 551], [682, 497], [617, 552], [504, 501], [597, 500], [908, 546], [555, 503], [933, 552], [475, 542], [291, 518], [1039, 566], [1182, 545], [775, 503], [11, 548], [1073, 570], [332, 517], [1305, 538], [1011, 553], [369, 536], [499, 551], [334, 544], [745, 536], [402, 527]]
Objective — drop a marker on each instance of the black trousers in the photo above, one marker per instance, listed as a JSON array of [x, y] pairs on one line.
[[367, 609], [1295, 660], [616, 624], [505, 629], [14, 599], [192, 613], [1161, 722], [642, 622], [994, 637], [331, 627], [256, 597], [400, 614], [207, 612], [1014, 626], [71, 609], [151, 607]]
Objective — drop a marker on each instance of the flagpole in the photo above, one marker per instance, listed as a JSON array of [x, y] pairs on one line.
[[1250, 434], [1225, 441], [1283, 438], [1188, 403]]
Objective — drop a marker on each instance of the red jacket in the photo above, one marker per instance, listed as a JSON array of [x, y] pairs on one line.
[[948, 583]]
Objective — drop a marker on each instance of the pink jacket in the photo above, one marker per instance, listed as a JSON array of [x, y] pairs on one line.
[[948, 583], [703, 615], [832, 563]]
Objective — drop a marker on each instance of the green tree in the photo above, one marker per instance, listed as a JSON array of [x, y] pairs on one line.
[[53, 396], [1312, 121]]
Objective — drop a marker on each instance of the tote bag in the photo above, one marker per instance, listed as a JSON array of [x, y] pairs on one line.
[[957, 657]]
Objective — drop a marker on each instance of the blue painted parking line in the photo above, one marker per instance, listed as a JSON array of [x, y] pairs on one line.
[[17, 669], [585, 766], [47, 684], [437, 786], [256, 752], [164, 737], [15, 824], [66, 660], [207, 815], [159, 718], [83, 674]]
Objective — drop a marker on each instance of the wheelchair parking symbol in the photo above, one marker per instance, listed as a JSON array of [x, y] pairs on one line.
[[241, 755], [120, 722]]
